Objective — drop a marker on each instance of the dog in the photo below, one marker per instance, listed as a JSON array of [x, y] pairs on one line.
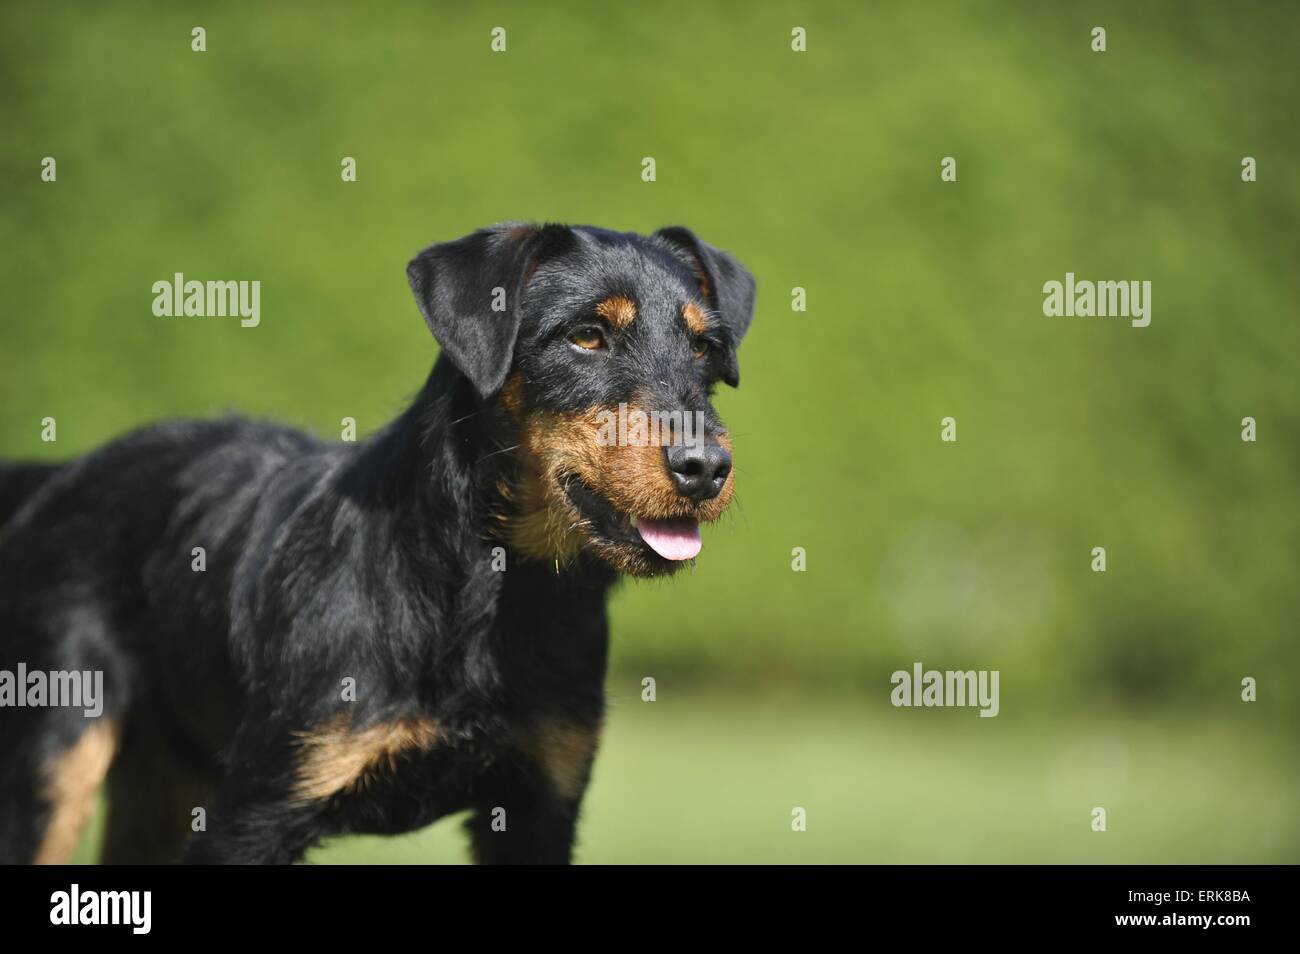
[[301, 639]]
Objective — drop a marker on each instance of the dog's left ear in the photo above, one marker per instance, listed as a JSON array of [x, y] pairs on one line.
[[726, 285], [469, 292]]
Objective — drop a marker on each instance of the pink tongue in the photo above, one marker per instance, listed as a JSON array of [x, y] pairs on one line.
[[677, 539]]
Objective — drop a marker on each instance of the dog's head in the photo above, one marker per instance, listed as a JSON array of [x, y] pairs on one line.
[[600, 350]]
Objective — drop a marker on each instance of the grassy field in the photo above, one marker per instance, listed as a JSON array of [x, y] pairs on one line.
[[818, 170], [714, 779]]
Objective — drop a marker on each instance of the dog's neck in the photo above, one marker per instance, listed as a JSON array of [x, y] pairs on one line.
[[432, 477], [438, 470]]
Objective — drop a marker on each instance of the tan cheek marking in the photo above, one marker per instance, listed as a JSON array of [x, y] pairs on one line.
[[564, 751], [551, 444], [337, 758], [71, 781], [618, 310], [634, 479], [696, 323], [539, 528]]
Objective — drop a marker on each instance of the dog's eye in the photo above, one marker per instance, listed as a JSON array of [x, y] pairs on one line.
[[700, 347], [590, 338]]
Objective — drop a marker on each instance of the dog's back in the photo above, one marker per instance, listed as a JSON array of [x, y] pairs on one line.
[[104, 569], [18, 483]]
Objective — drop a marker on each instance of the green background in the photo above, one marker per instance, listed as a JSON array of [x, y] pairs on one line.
[[820, 170]]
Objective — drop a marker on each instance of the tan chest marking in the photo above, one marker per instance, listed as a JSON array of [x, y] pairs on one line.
[[338, 758]]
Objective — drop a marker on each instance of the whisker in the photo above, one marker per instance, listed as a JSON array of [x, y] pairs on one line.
[[501, 451]]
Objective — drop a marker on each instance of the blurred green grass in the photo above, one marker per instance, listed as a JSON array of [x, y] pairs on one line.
[[818, 170], [714, 778]]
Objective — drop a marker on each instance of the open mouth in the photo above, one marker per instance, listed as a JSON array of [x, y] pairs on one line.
[[671, 540]]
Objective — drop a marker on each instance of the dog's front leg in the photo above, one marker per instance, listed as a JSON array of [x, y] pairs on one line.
[[258, 814], [529, 828], [247, 829], [526, 807]]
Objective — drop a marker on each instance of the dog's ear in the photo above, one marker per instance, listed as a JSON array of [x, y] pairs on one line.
[[470, 292], [726, 285]]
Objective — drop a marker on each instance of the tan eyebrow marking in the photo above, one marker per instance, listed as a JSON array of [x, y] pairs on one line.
[[618, 310], [695, 320]]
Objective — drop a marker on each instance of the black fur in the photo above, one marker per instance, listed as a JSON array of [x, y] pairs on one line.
[[371, 561]]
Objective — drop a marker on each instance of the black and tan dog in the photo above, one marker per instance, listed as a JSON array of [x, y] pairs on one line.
[[379, 633]]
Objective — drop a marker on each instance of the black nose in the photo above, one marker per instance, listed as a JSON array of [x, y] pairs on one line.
[[700, 471]]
